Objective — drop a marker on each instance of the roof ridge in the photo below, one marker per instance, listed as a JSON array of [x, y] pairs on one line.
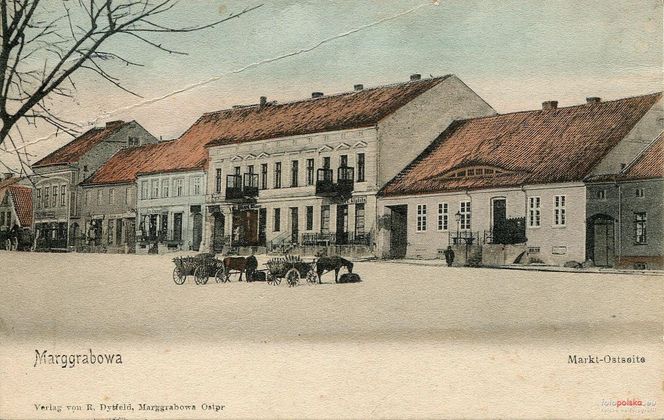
[[562, 107], [332, 95]]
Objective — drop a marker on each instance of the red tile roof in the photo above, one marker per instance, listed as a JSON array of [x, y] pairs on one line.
[[22, 198], [335, 112], [126, 164], [363, 108], [649, 164], [75, 149], [534, 147]]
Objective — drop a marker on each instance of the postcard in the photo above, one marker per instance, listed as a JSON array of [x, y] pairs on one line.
[[331, 209]]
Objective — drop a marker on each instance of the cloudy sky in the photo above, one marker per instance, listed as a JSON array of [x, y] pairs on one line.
[[513, 53]]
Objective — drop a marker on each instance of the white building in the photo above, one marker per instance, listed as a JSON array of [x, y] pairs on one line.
[[306, 173], [511, 186]]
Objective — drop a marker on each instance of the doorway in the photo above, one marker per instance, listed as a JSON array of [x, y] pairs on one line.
[[245, 227], [342, 224], [197, 231], [601, 240], [218, 232], [398, 231], [498, 220], [262, 223]]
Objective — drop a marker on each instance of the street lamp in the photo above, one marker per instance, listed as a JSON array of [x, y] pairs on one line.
[[457, 217]]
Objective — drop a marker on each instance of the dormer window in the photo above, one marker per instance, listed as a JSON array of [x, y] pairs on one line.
[[474, 172], [133, 142]]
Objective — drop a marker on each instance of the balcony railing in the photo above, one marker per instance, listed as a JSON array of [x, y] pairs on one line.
[[241, 187], [326, 187], [337, 238]]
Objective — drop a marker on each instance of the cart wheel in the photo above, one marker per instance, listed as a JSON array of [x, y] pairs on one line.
[[273, 280], [312, 277], [201, 276], [292, 277], [220, 276], [178, 277]]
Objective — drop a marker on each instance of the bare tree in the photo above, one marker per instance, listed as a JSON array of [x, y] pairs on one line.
[[42, 49]]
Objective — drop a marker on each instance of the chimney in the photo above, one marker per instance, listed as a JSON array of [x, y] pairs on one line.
[[114, 124], [317, 94], [263, 101], [358, 87], [415, 76], [549, 105], [593, 100]]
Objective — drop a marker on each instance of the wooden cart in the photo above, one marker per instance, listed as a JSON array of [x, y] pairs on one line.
[[291, 268], [201, 266]]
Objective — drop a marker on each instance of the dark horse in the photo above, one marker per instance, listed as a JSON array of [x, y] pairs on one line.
[[327, 264], [247, 265]]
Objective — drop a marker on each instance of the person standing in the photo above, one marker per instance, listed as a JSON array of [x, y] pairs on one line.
[[449, 256]]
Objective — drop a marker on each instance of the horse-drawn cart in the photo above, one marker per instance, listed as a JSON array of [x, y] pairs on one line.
[[201, 266], [291, 268]]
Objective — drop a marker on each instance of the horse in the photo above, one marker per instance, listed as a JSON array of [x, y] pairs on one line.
[[247, 265], [327, 264]]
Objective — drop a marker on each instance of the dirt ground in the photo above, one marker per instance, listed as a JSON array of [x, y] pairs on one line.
[[408, 341]]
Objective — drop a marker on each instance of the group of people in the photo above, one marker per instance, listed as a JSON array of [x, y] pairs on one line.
[[10, 237]]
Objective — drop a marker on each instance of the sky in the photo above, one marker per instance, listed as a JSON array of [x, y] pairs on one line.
[[513, 53]]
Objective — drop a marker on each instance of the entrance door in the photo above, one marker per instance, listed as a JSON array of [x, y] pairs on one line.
[[295, 229], [177, 227], [262, 222], [197, 231], [499, 217], [218, 232], [130, 234], [398, 231], [602, 249], [342, 224], [119, 227]]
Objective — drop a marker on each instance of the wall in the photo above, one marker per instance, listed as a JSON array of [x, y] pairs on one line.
[[547, 237], [633, 144], [652, 204], [404, 134]]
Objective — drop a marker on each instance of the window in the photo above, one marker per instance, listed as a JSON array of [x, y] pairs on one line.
[[443, 216], [360, 167], [294, 173], [2, 219], [464, 212], [155, 188], [178, 187], [54, 202], [310, 218], [39, 197], [640, 233], [63, 194], [325, 219], [144, 190], [264, 176], [165, 184], [100, 196], [326, 162], [534, 212], [359, 219], [277, 175], [640, 193], [310, 172], [217, 181], [276, 225], [127, 195], [343, 161], [85, 168], [421, 217], [250, 169], [237, 170], [601, 194], [46, 197], [559, 212], [132, 141], [196, 185], [88, 197], [111, 196]]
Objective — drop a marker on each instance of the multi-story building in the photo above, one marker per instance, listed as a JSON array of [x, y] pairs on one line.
[[57, 202], [306, 173], [512, 186], [625, 223], [15, 202], [109, 195]]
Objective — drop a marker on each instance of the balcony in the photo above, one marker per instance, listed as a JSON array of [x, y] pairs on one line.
[[241, 188], [326, 187]]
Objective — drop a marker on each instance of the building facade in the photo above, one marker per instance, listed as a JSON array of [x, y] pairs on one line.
[[15, 212], [56, 197], [510, 188], [169, 210], [625, 224], [303, 175]]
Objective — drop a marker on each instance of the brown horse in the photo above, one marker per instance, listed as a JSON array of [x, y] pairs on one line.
[[327, 264], [246, 265]]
